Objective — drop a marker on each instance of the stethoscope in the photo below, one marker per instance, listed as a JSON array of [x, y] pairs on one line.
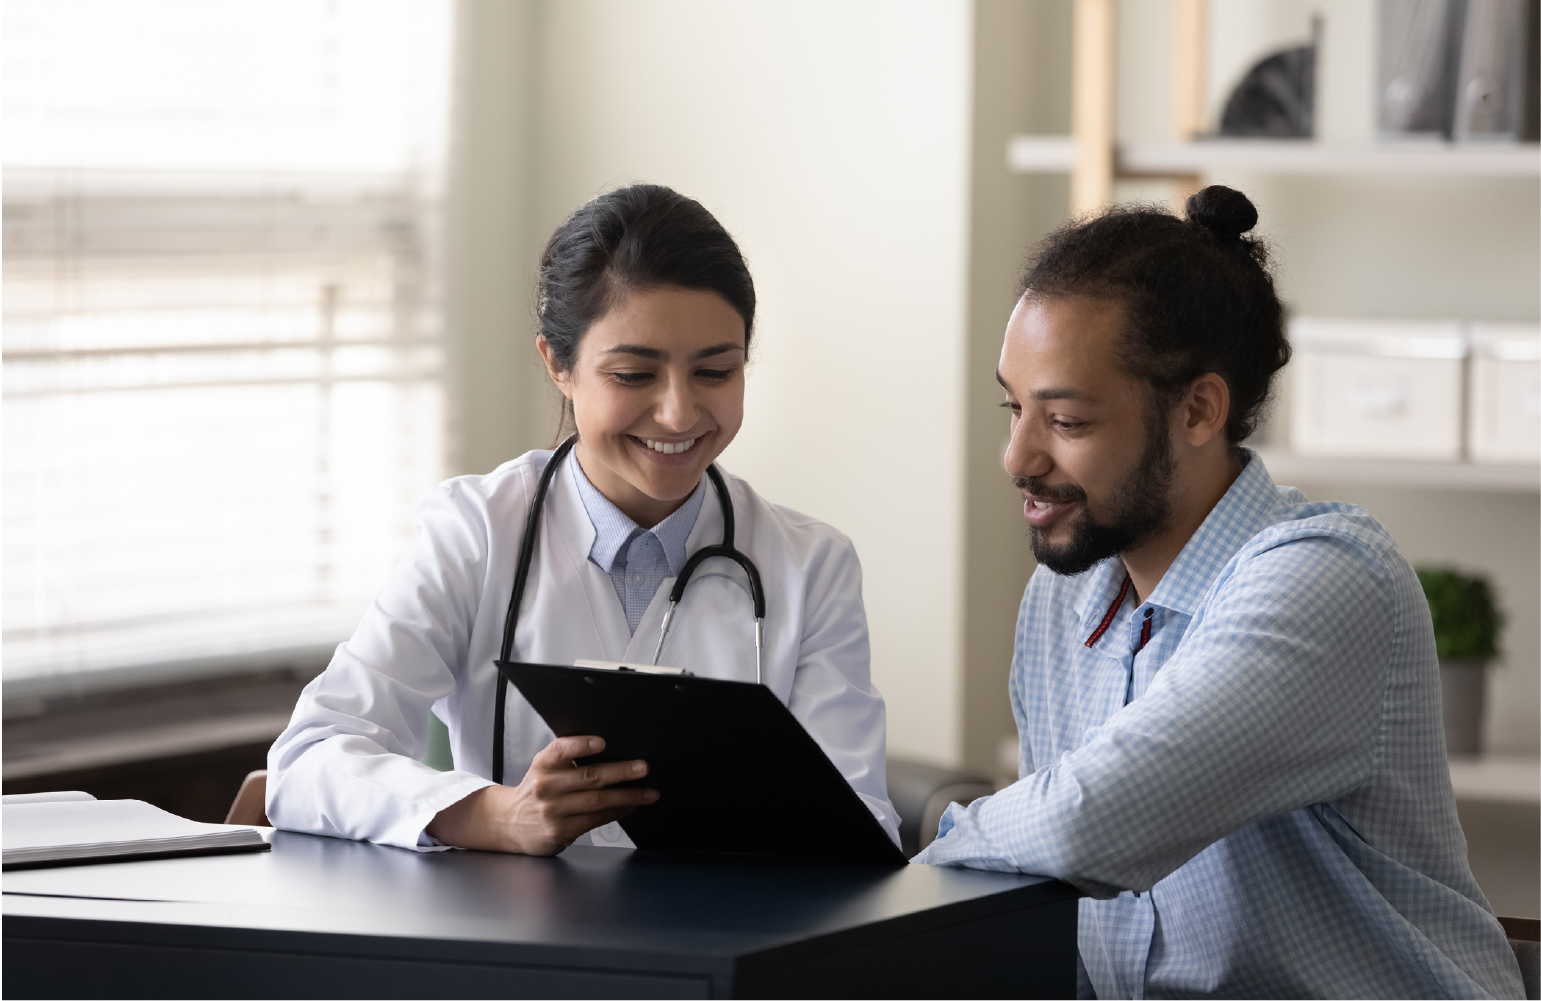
[[724, 549]]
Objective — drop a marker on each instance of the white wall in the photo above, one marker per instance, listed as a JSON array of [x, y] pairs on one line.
[[1021, 84], [832, 141], [498, 407]]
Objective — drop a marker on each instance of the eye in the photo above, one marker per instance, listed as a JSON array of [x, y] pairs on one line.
[[1013, 406], [714, 374], [1060, 424], [631, 378]]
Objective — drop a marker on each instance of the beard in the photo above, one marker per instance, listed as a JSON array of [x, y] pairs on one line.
[[1140, 509]]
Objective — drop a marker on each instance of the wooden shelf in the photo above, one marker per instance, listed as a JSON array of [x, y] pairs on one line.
[[1288, 469], [1496, 779], [1029, 154]]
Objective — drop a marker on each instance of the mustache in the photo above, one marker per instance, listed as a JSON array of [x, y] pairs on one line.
[[1036, 486]]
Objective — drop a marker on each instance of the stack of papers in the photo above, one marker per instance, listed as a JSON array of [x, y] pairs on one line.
[[56, 828]]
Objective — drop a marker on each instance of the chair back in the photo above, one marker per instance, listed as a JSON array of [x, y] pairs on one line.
[[1525, 939], [250, 806]]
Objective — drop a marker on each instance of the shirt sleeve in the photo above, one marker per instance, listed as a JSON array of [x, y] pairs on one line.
[[833, 696], [347, 764], [1270, 704]]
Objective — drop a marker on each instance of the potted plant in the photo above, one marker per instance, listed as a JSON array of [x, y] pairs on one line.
[[1466, 629]]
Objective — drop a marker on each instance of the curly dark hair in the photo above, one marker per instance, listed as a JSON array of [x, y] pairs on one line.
[[1198, 296]]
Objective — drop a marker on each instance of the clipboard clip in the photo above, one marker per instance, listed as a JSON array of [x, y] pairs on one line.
[[618, 665]]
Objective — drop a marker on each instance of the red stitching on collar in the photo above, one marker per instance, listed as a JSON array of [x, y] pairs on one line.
[[1107, 620]]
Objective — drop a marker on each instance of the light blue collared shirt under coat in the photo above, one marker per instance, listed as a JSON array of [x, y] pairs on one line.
[[637, 559], [1259, 797]]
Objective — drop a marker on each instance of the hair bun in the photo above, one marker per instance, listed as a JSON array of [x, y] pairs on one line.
[[1223, 211]]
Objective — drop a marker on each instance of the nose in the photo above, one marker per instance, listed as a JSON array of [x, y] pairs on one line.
[[676, 408], [1025, 454]]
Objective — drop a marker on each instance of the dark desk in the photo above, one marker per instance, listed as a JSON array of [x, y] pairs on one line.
[[319, 917]]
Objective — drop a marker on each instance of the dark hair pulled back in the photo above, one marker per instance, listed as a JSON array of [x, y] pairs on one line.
[[640, 237], [1198, 295]]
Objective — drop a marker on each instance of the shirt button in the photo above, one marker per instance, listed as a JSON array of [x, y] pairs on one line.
[[636, 578], [1148, 611]]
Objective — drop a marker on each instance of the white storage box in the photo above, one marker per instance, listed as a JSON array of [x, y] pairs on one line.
[[1377, 388], [1504, 419]]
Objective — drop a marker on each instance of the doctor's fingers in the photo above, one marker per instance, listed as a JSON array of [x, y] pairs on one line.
[[560, 832], [560, 753], [601, 801], [560, 781]]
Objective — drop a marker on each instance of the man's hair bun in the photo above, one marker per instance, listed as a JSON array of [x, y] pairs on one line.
[[1223, 211]]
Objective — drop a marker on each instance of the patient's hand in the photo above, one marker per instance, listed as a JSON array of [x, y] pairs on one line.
[[557, 801]]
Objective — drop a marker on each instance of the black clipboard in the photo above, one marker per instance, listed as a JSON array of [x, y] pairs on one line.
[[735, 771]]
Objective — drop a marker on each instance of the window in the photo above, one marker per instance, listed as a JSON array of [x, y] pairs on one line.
[[223, 352]]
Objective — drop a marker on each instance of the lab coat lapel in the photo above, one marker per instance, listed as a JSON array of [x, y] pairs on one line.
[[569, 525], [706, 532]]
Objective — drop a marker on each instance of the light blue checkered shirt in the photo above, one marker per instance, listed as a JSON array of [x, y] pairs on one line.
[[1259, 798], [637, 559]]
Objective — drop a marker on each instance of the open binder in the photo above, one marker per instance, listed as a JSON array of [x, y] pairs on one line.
[[74, 828], [735, 771]]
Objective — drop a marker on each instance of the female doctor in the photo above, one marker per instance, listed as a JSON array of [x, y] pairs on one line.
[[645, 311]]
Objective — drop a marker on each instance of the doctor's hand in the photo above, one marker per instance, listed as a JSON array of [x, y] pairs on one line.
[[557, 801]]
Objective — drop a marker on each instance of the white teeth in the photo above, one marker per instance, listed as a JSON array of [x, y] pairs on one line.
[[1041, 505], [669, 448]]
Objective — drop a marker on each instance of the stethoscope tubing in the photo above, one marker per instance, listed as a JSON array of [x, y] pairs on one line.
[[725, 549]]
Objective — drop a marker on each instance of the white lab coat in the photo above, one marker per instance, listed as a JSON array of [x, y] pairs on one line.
[[347, 764]]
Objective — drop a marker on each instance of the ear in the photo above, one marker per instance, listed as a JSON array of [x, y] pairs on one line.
[[1204, 410], [563, 380]]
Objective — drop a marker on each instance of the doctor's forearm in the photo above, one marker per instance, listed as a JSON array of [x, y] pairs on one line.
[[479, 821]]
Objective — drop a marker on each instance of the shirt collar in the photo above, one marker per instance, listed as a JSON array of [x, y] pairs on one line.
[[1102, 585], [1244, 511], [613, 530]]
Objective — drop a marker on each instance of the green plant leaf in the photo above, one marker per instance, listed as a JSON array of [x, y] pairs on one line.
[[1467, 622]]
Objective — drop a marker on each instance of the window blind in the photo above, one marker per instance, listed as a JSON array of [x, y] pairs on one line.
[[222, 343]]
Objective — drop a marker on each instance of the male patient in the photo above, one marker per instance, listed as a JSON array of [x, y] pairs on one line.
[[1228, 697]]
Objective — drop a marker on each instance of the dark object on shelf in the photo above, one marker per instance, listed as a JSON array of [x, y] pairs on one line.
[[920, 794], [1495, 98], [1277, 97], [1467, 624], [1420, 44]]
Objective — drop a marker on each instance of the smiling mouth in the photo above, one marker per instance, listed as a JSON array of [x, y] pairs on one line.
[[668, 447], [1045, 514]]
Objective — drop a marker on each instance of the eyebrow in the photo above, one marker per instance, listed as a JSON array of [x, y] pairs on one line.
[[1057, 393], [1062, 393], [718, 349], [638, 350], [656, 355]]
